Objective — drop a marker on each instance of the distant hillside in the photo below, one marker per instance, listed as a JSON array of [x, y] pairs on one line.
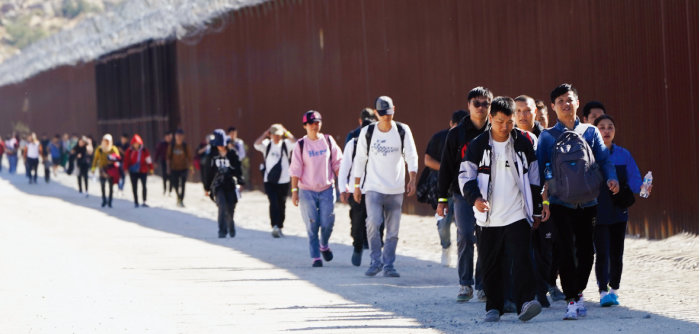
[[23, 22]]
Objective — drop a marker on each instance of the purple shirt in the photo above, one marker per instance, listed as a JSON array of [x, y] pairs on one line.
[[315, 168]]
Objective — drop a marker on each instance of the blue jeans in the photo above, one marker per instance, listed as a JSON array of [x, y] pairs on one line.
[[444, 224], [383, 208], [12, 160], [317, 212], [465, 221]]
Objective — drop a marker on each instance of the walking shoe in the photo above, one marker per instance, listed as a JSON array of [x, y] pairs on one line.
[[317, 263], [327, 254], [465, 293], [356, 258], [445, 259], [582, 311], [556, 294], [232, 231], [109, 204], [373, 270], [613, 292], [530, 310], [104, 203], [492, 316], [509, 307], [276, 232], [144, 205], [481, 295], [571, 311], [391, 272], [222, 235], [136, 205], [607, 299]]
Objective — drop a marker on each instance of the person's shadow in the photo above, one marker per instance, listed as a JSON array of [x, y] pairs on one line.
[[426, 290]]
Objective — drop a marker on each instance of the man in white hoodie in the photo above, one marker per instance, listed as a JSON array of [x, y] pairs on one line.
[[382, 150]]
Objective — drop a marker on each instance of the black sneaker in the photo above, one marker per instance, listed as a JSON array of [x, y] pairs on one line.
[[232, 232], [317, 263], [222, 235], [136, 205], [327, 254], [144, 205], [104, 203], [356, 258]]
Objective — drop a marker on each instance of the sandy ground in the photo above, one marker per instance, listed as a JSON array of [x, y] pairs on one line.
[[69, 266]]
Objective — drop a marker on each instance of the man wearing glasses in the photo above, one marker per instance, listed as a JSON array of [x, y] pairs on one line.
[[458, 138]]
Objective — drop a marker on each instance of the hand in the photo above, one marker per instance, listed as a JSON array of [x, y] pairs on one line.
[[536, 223], [441, 209], [411, 187], [545, 213], [344, 197], [206, 193], [357, 195], [614, 186], [295, 198], [482, 205]]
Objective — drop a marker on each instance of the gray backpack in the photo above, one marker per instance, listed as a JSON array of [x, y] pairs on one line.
[[576, 177]]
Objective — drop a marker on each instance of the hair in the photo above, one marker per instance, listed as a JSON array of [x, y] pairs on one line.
[[479, 92], [540, 105], [125, 135], [593, 105], [606, 116], [458, 116], [502, 104], [561, 90], [231, 128], [526, 99]]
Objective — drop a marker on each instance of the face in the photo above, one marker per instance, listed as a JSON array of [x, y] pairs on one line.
[[607, 130], [179, 137], [565, 105], [483, 108], [136, 146], [105, 142], [222, 149], [276, 138], [312, 128], [233, 134], [594, 114], [541, 116], [525, 114], [168, 137], [124, 140], [501, 125], [384, 118]]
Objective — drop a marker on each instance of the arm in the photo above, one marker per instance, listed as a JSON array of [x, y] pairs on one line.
[[431, 163], [290, 136], [447, 163], [258, 144], [295, 191], [236, 164], [343, 174], [411, 158], [358, 166], [337, 156], [634, 177]]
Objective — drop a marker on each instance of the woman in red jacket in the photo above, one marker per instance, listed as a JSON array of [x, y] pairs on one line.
[[137, 161]]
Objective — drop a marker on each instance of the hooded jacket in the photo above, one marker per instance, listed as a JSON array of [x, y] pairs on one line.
[[475, 176], [455, 149], [139, 160]]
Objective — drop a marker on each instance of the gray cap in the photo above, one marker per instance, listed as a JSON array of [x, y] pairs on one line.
[[385, 104]]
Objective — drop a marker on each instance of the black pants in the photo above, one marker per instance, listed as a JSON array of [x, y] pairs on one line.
[[277, 195], [135, 177], [166, 176], [574, 240], [71, 164], [83, 176], [178, 179], [499, 249], [609, 240], [47, 171], [542, 257], [32, 169], [108, 181], [226, 201]]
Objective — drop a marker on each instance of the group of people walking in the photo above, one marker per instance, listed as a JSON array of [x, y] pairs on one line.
[[537, 201]]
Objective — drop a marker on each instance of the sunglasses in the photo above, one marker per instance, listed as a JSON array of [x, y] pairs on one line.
[[478, 104]]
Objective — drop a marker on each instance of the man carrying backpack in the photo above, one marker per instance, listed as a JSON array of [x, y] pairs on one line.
[[571, 157], [276, 145], [381, 152]]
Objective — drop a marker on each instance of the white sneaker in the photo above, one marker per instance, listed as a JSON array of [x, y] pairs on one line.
[[581, 307], [276, 233], [446, 256], [571, 311]]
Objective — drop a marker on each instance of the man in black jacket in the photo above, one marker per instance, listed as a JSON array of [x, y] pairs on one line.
[[458, 138]]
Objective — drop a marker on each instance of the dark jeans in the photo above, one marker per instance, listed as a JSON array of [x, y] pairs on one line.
[[166, 176], [178, 179], [499, 249], [609, 242], [1, 154], [226, 201], [574, 240], [83, 175], [47, 170], [542, 257], [465, 221], [277, 195], [108, 181], [32, 169], [135, 177]]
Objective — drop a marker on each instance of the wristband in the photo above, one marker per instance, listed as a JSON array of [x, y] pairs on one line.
[[288, 134], [545, 202], [357, 186], [442, 200], [295, 189]]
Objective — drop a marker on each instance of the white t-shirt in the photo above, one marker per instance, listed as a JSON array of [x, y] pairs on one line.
[[385, 165], [33, 150], [274, 156], [346, 181], [506, 200]]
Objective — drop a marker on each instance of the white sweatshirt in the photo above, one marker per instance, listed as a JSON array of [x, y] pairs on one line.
[[386, 173]]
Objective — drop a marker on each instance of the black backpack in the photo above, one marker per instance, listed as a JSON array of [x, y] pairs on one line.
[[576, 175], [276, 171]]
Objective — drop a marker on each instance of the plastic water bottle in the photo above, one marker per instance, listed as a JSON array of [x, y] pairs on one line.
[[547, 171], [646, 186]]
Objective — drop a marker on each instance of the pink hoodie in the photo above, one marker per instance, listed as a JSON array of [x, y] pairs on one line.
[[314, 170]]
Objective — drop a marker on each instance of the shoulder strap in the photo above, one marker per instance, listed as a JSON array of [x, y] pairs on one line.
[[267, 150], [368, 136], [402, 134], [301, 146]]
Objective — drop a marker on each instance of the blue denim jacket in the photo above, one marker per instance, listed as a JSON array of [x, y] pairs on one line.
[[592, 136]]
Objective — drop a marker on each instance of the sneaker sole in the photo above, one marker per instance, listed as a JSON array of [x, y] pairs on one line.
[[530, 313], [463, 299]]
